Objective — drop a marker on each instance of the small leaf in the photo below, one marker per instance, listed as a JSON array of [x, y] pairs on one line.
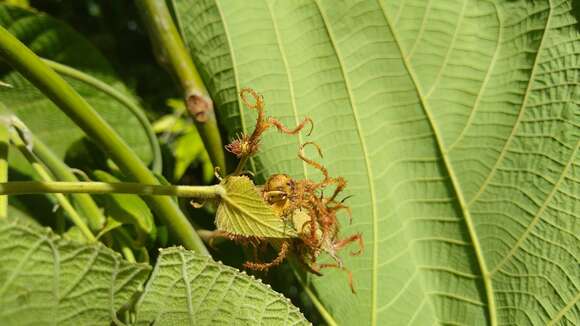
[[45, 280], [188, 148], [110, 225], [129, 209], [74, 234], [242, 211], [190, 289]]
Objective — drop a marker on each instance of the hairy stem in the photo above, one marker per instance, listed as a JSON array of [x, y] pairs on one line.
[[172, 53], [76, 108], [36, 187], [4, 139], [156, 164]]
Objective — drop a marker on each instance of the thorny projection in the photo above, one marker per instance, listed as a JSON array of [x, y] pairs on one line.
[[300, 202]]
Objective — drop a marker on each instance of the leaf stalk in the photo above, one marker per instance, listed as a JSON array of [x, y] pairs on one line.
[[63, 187]]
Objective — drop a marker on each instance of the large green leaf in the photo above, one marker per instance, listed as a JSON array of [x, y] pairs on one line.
[[52, 39], [190, 289], [456, 126], [46, 280]]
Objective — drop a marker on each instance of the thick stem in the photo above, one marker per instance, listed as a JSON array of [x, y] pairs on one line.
[[35, 187], [76, 108], [4, 139], [156, 164], [172, 53]]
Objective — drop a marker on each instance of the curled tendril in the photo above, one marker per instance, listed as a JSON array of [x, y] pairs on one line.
[[245, 146], [265, 266], [259, 99], [312, 162], [285, 130]]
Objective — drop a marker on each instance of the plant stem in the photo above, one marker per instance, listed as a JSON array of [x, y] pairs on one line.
[[124, 241], [321, 309], [36, 187], [76, 108], [156, 164], [241, 164], [46, 177], [62, 172], [4, 139], [172, 53]]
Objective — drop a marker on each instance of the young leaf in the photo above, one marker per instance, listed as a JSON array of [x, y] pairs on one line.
[[455, 124], [242, 211], [47, 280], [190, 289], [128, 209]]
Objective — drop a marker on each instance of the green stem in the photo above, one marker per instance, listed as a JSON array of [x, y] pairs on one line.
[[46, 177], [4, 139], [156, 164], [76, 108], [326, 315], [172, 53], [36, 187], [62, 172], [124, 241], [127, 252], [241, 164]]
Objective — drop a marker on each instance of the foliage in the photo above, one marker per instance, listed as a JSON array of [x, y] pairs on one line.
[[49, 280], [455, 124], [186, 288], [450, 130]]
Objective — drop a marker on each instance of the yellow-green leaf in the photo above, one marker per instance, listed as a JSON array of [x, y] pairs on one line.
[[243, 211]]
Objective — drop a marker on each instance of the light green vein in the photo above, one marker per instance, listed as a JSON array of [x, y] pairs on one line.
[[483, 85], [375, 223], [421, 30], [520, 114], [454, 181], [235, 72], [538, 216], [290, 83], [448, 53], [564, 310]]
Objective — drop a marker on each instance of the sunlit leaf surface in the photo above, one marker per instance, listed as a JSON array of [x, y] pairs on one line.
[[456, 126], [189, 289]]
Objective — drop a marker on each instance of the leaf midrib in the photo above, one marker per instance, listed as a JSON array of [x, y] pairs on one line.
[[375, 257], [454, 182]]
